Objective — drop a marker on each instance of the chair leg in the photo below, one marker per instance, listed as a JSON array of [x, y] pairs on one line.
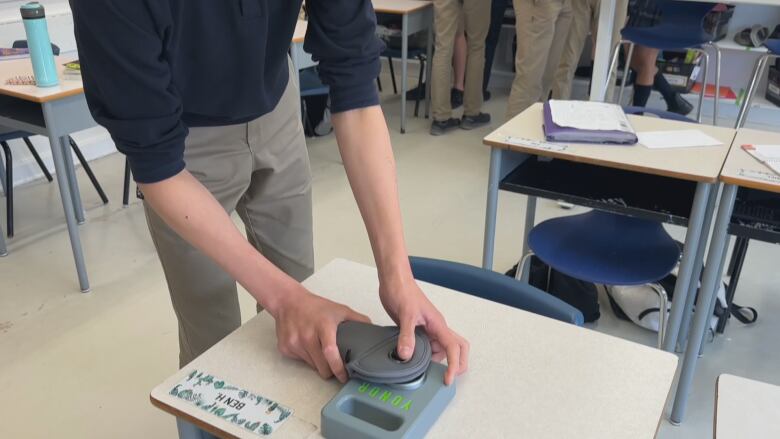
[[526, 259], [3, 249], [663, 309], [735, 270], [747, 100], [419, 88], [37, 158], [2, 175], [612, 70], [379, 84], [9, 185], [88, 170], [126, 189], [626, 71], [392, 74], [716, 100], [702, 92]]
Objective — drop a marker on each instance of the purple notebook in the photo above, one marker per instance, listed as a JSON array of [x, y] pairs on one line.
[[556, 133]]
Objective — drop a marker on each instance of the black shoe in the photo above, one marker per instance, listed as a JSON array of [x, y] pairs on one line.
[[456, 98], [681, 106], [485, 95], [471, 122], [439, 127]]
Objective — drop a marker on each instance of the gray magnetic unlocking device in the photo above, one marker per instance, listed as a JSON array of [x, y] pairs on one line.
[[386, 397]]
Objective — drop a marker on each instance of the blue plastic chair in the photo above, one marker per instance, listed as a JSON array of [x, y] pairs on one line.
[[681, 27], [609, 249], [494, 287], [774, 53]]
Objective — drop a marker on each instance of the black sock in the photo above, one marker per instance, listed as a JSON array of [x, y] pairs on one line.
[[641, 94], [670, 96]]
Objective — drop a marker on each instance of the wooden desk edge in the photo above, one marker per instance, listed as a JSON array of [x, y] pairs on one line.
[[607, 164], [388, 10], [750, 183], [43, 99], [189, 418]]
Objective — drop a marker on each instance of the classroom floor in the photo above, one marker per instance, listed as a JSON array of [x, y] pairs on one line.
[[81, 365]]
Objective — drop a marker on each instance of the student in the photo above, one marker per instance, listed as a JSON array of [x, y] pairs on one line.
[[643, 62], [200, 97], [542, 27], [497, 10], [476, 21]]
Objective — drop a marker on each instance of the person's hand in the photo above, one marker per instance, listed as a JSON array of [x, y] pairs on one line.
[[306, 326], [408, 307]]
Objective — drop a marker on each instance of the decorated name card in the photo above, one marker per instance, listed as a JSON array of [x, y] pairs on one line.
[[241, 407]]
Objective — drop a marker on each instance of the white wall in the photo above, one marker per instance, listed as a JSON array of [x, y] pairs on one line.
[[94, 142]]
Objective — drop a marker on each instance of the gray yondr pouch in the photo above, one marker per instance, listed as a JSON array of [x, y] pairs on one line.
[[369, 353]]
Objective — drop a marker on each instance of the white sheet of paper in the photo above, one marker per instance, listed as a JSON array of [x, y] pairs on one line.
[[676, 139], [768, 155], [586, 115]]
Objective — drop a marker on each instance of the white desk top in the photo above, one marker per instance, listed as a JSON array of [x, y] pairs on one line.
[[400, 7], [68, 86], [701, 164], [739, 161], [529, 376], [746, 409], [300, 31]]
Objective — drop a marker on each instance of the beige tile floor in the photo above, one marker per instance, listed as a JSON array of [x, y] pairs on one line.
[[82, 365]]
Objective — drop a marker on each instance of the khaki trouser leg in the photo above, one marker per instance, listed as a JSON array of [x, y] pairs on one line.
[[260, 168], [541, 27], [584, 13], [446, 14], [477, 23]]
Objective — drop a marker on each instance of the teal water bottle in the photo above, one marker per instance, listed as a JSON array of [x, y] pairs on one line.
[[39, 44]]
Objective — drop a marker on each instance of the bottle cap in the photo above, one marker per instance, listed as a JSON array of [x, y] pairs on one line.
[[32, 10]]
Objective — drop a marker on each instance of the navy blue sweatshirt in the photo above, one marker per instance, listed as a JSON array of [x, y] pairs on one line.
[[152, 68]]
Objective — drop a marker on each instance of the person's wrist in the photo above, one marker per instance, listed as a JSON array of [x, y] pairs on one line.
[[282, 298]]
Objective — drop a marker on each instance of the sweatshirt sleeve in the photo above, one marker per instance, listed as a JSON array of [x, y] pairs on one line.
[[341, 36], [128, 81]]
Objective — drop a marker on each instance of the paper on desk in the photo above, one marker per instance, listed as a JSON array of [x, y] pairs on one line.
[[586, 115], [766, 154], [676, 139]]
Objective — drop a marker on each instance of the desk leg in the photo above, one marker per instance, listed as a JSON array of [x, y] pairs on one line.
[[492, 207], [598, 88], [709, 289], [693, 285], [2, 175], [75, 194], [428, 68], [404, 67], [61, 168], [692, 236], [3, 250]]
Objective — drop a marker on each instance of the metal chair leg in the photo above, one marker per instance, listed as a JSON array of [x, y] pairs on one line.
[[703, 91], [37, 158], [2, 175], [9, 186], [419, 87], [126, 189], [612, 69], [3, 249], [716, 101], [526, 259], [663, 309], [758, 72], [735, 270], [379, 84], [626, 71], [88, 170], [392, 74]]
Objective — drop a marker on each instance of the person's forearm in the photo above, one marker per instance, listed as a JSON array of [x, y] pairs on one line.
[[189, 209], [365, 147]]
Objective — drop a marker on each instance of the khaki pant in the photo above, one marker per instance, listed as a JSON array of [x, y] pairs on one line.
[[260, 170], [476, 21], [542, 27], [585, 18]]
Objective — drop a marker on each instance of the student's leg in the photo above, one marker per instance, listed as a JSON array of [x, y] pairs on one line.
[[203, 295], [572, 49], [277, 207], [445, 25], [477, 23], [535, 22], [459, 56], [497, 9], [562, 25], [643, 63]]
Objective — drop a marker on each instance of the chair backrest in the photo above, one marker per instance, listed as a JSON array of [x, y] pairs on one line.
[[22, 44], [773, 45], [663, 114], [495, 287]]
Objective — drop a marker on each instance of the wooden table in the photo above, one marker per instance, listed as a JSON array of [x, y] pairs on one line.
[[416, 16], [529, 376], [54, 112], [699, 165], [739, 170], [746, 408]]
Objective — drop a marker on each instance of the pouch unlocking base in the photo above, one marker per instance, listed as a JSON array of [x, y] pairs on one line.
[[375, 411]]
